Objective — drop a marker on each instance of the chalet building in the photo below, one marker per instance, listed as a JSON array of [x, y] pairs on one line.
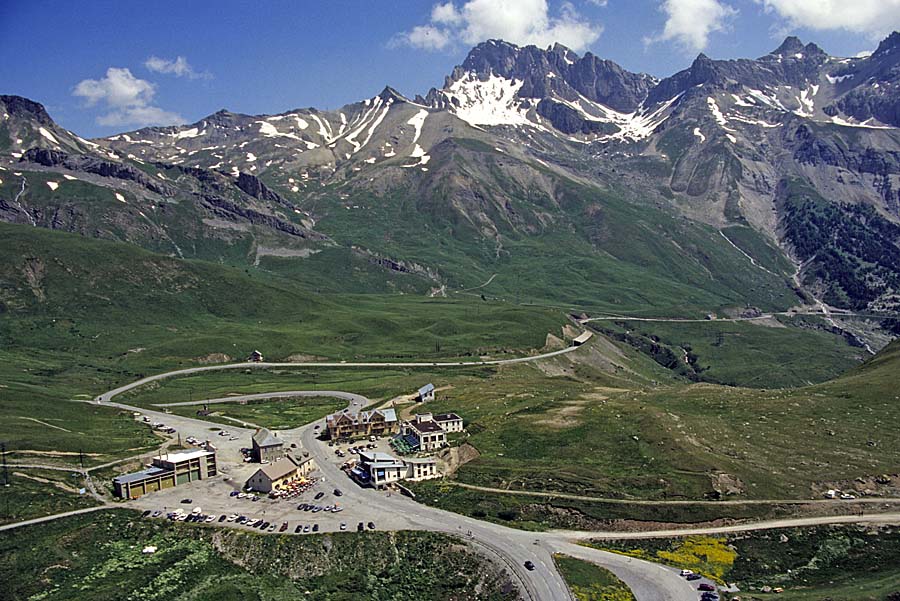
[[424, 433], [380, 469], [378, 422], [426, 393], [449, 422], [167, 471], [266, 446], [421, 468], [280, 473], [255, 357]]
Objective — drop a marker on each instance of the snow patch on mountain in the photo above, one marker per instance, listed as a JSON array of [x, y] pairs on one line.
[[417, 121], [493, 101], [48, 135]]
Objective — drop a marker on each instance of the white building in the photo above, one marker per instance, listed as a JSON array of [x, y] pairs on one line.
[[449, 422]]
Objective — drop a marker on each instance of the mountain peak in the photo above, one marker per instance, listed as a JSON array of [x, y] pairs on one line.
[[790, 45], [24, 108], [389, 93], [889, 43]]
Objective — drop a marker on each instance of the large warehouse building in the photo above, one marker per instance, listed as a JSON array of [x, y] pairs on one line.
[[167, 471]]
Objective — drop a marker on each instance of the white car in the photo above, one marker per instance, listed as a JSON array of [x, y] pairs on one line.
[[686, 572]]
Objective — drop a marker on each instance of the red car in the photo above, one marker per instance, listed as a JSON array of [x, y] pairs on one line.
[[284, 526], [705, 586]]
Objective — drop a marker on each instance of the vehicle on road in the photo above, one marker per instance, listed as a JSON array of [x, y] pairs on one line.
[[529, 566], [685, 572], [234, 493], [187, 501], [694, 576], [319, 495], [705, 586], [338, 493], [371, 525]]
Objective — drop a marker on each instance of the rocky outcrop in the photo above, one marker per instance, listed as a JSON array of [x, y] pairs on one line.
[[94, 165]]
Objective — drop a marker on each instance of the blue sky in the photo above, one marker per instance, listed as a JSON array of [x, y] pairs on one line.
[[271, 56]]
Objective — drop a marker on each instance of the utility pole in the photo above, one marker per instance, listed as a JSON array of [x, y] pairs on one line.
[[5, 466]]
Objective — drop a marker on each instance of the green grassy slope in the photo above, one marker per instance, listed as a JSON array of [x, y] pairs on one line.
[[80, 316], [98, 557]]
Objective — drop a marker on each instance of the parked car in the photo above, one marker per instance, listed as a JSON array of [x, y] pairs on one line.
[[705, 586], [187, 501], [371, 525], [319, 495], [298, 529], [306, 528], [284, 526], [145, 514], [223, 517], [694, 576], [315, 528], [685, 572], [233, 493], [157, 513], [529, 566], [338, 493], [272, 527], [343, 525], [264, 525], [360, 527]]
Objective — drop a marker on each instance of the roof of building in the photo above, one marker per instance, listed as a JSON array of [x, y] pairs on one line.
[[180, 456], [300, 459], [426, 389], [264, 438], [376, 457], [364, 417], [278, 469], [584, 336], [420, 460], [138, 476], [446, 417], [425, 427]]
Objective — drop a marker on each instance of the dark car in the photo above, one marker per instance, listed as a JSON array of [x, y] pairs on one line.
[[319, 495], [709, 597], [693, 577], [223, 517], [298, 529], [284, 526], [264, 526], [234, 493], [371, 525], [146, 513], [187, 501], [301, 506], [360, 527], [705, 586], [529, 566], [337, 492], [315, 527]]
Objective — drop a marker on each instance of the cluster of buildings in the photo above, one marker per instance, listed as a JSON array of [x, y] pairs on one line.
[[167, 471]]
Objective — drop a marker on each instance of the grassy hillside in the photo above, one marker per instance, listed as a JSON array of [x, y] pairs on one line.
[[98, 557], [540, 433], [81, 315], [551, 240]]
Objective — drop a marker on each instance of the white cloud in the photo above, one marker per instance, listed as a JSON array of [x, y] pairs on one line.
[[178, 67], [516, 21], [872, 17], [689, 22], [127, 99]]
